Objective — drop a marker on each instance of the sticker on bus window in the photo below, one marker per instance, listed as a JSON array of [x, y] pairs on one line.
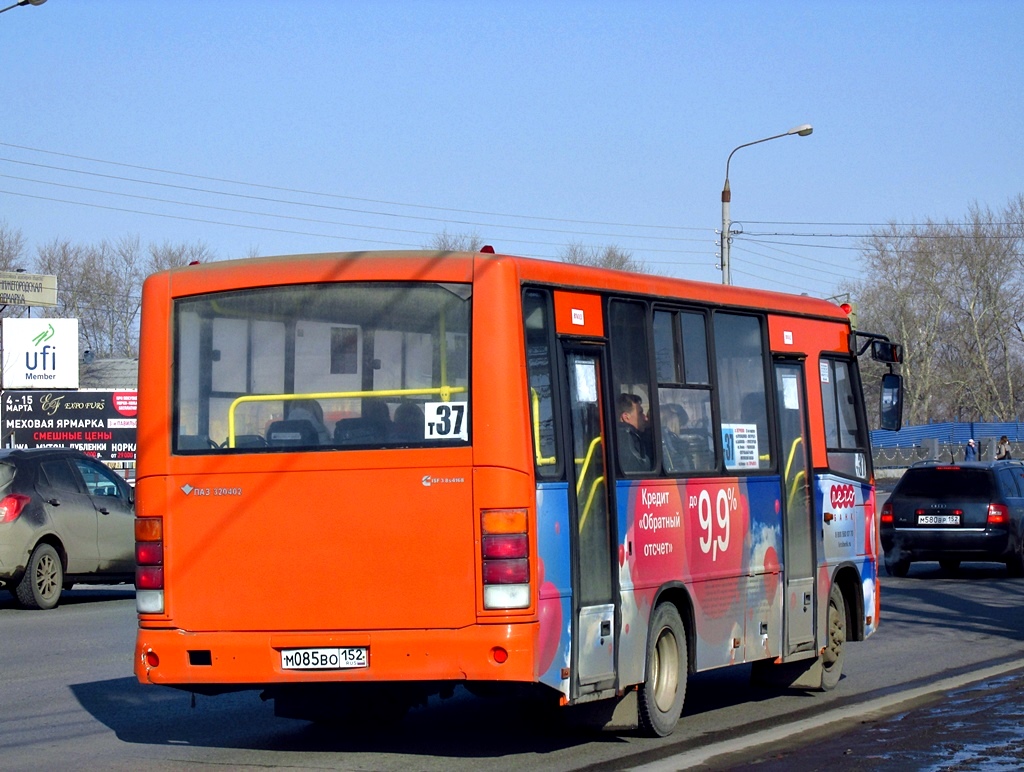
[[739, 445], [586, 381], [446, 421], [790, 392]]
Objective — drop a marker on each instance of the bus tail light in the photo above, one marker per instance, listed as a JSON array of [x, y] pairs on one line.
[[505, 549], [11, 507], [149, 565], [998, 514]]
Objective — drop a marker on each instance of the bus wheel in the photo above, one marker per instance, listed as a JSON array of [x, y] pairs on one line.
[[43, 580], [835, 647], [664, 688]]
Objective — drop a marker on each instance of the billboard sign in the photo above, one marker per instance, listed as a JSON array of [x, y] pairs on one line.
[[99, 423], [40, 353], [27, 289]]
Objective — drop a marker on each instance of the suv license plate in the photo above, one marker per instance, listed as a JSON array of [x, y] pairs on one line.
[[325, 659], [938, 520]]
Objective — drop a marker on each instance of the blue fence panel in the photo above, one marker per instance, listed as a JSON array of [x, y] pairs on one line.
[[949, 431]]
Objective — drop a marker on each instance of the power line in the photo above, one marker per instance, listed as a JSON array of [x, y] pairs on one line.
[[334, 195]]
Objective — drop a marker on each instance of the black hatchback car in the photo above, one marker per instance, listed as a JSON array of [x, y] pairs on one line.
[[65, 518], [971, 511]]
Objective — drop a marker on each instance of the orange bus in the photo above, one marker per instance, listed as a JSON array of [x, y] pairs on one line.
[[367, 478]]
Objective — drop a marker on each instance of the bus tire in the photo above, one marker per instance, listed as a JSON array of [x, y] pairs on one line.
[[41, 585], [664, 688], [834, 654]]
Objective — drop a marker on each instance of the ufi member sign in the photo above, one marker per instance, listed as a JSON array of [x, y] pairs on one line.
[[40, 353], [99, 423]]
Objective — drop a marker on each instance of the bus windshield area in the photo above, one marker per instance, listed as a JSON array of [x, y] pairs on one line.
[[322, 366]]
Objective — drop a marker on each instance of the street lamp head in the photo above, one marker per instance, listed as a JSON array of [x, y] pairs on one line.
[[801, 131], [21, 3]]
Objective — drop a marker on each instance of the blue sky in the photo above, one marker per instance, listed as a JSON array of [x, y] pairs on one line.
[[279, 127]]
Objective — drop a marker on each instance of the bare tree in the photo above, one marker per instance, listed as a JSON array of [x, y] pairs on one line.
[[101, 286], [456, 242], [167, 255], [12, 248], [953, 293], [610, 256]]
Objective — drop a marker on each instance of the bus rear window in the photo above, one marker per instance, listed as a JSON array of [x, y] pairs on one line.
[[322, 367]]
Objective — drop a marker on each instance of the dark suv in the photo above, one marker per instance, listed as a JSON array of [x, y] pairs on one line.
[[954, 512], [65, 518]]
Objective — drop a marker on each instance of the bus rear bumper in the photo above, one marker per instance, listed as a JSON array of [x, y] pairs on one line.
[[214, 662]]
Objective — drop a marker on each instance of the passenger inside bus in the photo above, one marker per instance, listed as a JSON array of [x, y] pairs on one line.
[[310, 410], [408, 425], [678, 453], [632, 453]]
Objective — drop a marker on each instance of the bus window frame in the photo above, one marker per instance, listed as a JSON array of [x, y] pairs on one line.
[[709, 387], [554, 375], [653, 415], [860, 411], [769, 379], [205, 377]]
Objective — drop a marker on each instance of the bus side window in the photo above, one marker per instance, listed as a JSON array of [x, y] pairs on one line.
[[630, 356], [539, 341], [684, 392], [845, 436], [742, 398]]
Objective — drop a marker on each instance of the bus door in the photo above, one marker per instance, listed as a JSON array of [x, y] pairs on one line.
[[798, 533], [594, 600]]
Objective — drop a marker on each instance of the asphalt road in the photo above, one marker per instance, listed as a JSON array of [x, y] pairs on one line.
[[978, 727], [71, 701]]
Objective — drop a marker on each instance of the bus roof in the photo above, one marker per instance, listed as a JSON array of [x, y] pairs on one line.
[[433, 265]]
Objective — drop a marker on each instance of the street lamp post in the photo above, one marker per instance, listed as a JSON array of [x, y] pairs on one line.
[[22, 2], [800, 131]]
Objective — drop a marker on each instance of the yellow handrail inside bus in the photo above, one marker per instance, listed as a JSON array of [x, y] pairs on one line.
[[586, 463], [794, 485], [590, 500], [443, 341], [583, 467], [444, 392], [541, 460]]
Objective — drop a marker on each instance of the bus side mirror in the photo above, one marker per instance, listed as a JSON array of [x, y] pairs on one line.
[[891, 408], [887, 352]]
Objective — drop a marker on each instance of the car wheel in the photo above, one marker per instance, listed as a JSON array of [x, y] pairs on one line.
[[834, 655], [43, 580], [897, 566], [949, 565], [664, 689]]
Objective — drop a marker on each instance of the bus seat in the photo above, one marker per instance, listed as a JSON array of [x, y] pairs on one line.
[[360, 431], [249, 441], [289, 433], [194, 442]]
